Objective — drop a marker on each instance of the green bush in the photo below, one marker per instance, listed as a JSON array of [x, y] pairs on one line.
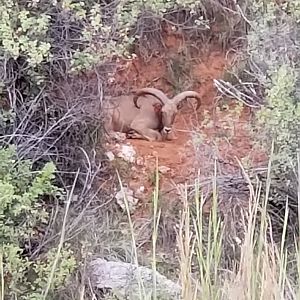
[[273, 58], [280, 117], [21, 213], [29, 30]]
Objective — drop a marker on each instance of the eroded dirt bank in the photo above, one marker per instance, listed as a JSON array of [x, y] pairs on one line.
[[217, 131]]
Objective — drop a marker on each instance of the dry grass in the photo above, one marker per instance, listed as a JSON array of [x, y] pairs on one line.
[[264, 270]]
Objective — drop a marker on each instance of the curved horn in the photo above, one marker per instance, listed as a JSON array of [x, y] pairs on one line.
[[151, 91], [187, 94]]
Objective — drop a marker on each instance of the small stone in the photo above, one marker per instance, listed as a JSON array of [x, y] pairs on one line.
[[140, 161], [127, 153], [140, 192], [163, 169], [110, 155], [134, 176], [75, 198], [126, 195], [154, 153], [238, 240], [141, 189], [119, 136]]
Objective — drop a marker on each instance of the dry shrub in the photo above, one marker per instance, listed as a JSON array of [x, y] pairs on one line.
[[199, 25]]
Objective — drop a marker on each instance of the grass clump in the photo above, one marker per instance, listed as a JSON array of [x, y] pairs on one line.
[[265, 269]]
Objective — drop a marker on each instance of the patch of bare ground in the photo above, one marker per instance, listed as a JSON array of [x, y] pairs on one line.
[[212, 132], [219, 131]]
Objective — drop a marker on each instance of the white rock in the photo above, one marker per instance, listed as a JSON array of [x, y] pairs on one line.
[[110, 155], [140, 161], [124, 280], [133, 169], [126, 195], [163, 169], [75, 198], [135, 175], [238, 240], [141, 189], [140, 192], [119, 136], [127, 152]]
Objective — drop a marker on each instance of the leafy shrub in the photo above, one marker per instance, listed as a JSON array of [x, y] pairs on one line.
[[267, 77], [21, 213], [22, 33], [28, 30], [280, 117], [273, 65]]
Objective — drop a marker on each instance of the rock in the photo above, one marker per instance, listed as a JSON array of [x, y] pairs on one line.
[[135, 176], [141, 189], [127, 152], [164, 169], [110, 155], [124, 278], [126, 195], [118, 136], [154, 153], [140, 161], [75, 198], [133, 169]]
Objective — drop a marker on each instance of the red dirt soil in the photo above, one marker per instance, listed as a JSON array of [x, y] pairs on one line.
[[224, 135]]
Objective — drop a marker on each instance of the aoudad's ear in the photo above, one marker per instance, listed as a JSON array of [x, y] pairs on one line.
[[157, 107]]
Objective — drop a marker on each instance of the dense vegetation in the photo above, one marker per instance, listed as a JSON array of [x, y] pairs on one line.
[[55, 57]]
